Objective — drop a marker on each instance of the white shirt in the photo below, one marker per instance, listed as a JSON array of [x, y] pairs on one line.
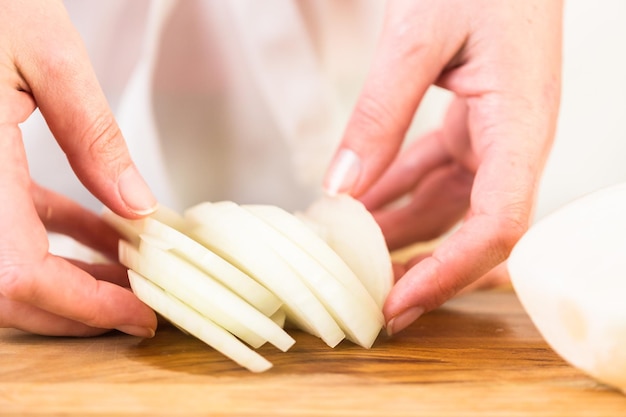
[[245, 99], [241, 100]]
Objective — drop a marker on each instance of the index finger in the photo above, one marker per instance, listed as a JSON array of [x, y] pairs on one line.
[[56, 70], [411, 54]]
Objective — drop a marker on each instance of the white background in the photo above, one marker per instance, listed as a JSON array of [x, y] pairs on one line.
[[590, 147]]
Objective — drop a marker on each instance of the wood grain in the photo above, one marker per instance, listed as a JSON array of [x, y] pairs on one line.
[[479, 355]]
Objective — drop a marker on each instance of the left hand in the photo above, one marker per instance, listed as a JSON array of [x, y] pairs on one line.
[[44, 64]]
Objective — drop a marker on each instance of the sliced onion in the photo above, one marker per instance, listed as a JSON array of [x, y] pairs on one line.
[[202, 293], [215, 266], [229, 274], [351, 231], [195, 324], [230, 235], [330, 279]]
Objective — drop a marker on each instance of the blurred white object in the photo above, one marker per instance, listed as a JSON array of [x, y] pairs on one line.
[[569, 272], [65, 246]]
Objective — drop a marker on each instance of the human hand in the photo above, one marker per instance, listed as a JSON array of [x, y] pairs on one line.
[[502, 62], [43, 64]]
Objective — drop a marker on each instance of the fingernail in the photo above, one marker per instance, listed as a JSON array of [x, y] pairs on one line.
[[138, 331], [344, 173], [403, 320], [135, 192]]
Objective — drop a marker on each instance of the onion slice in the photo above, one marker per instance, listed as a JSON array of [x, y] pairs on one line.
[[195, 324], [131, 229], [236, 275], [351, 231]]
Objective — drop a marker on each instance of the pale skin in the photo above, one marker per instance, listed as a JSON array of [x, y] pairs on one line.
[[500, 58], [48, 68]]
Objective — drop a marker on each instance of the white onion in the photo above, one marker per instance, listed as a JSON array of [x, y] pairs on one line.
[[569, 272], [229, 274]]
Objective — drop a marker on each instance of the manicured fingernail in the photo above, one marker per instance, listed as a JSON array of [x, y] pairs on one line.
[[135, 192], [403, 320], [344, 173], [138, 331]]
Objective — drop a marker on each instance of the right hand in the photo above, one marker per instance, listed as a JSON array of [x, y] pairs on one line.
[[481, 168], [43, 64]]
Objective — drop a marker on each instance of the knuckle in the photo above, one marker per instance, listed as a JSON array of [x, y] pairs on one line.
[[56, 62], [511, 229], [102, 139], [92, 314], [374, 117], [13, 284], [58, 59]]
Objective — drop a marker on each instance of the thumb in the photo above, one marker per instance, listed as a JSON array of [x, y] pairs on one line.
[[410, 56], [57, 72]]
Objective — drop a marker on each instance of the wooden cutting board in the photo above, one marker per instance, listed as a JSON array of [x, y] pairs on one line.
[[477, 355]]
